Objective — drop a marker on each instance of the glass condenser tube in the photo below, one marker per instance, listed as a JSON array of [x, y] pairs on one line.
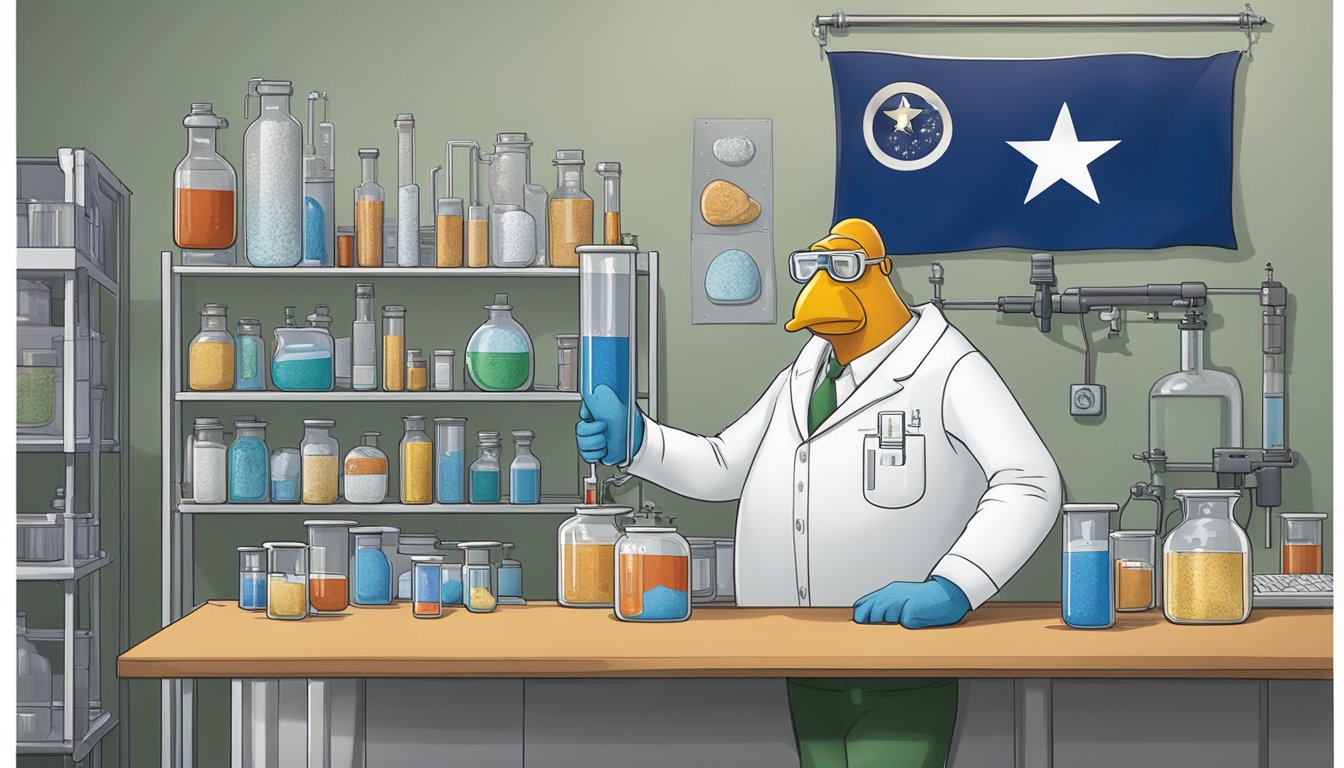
[[408, 194], [606, 319]]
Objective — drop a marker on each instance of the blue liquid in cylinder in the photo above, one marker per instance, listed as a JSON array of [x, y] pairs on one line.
[[448, 484], [1087, 591], [606, 361], [524, 486], [484, 486], [373, 578], [252, 592], [285, 491], [1274, 421], [304, 368]]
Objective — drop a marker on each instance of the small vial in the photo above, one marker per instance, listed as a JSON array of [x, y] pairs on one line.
[[345, 246], [443, 370], [417, 371]]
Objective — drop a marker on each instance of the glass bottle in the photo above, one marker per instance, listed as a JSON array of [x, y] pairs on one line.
[[570, 211], [485, 469], [449, 459], [286, 476], [394, 347], [653, 575], [366, 472], [587, 555], [409, 546], [611, 202], [417, 463], [319, 192], [210, 358], [1135, 555], [1206, 562], [208, 464], [364, 341], [1195, 409], [1088, 589], [345, 246], [249, 464], [499, 353], [510, 577], [321, 462], [417, 371], [34, 686], [408, 194], [443, 370], [1301, 551], [273, 177], [249, 357], [525, 471], [372, 569], [369, 200], [478, 576], [204, 194], [329, 564], [303, 360], [287, 580], [252, 578], [427, 593]]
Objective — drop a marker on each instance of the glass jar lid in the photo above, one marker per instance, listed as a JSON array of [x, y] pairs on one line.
[[650, 529], [320, 423], [329, 523], [429, 559], [598, 510]]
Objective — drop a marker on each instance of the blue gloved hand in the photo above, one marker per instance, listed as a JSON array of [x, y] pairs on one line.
[[602, 431], [934, 603]]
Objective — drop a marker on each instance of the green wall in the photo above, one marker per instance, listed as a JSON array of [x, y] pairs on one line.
[[624, 81]]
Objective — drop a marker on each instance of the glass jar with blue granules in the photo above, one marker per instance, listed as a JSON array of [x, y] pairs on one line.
[[249, 464], [249, 360], [372, 569]]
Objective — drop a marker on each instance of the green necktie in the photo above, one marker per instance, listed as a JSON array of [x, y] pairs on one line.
[[823, 403]]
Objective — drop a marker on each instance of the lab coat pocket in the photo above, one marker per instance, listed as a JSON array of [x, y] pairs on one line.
[[893, 478]]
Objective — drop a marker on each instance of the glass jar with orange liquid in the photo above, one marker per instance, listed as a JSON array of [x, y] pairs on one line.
[[653, 575], [329, 564], [1301, 549], [204, 194]]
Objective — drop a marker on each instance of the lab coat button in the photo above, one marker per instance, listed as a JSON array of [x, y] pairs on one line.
[[798, 524], [802, 593], [802, 456], [800, 486]]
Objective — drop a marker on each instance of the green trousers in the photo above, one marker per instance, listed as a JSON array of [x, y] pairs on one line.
[[873, 723]]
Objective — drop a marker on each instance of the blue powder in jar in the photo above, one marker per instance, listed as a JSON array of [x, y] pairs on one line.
[[448, 484], [663, 604], [249, 470], [314, 238], [373, 578]]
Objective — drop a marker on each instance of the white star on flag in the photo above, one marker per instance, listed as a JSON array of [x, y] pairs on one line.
[[1062, 157]]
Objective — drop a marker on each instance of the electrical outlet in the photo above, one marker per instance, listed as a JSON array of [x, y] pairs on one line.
[[1087, 400]]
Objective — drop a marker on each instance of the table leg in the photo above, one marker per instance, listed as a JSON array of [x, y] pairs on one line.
[[1032, 722]]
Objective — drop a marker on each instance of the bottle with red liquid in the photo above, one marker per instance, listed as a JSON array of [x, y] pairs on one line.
[[204, 194]]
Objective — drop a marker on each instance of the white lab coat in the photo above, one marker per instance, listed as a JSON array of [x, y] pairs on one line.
[[968, 494]]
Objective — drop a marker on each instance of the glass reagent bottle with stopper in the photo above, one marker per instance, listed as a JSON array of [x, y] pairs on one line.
[[369, 200], [571, 209], [366, 472], [210, 357], [485, 469], [249, 464], [273, 177], [525, 471], [204, 199]]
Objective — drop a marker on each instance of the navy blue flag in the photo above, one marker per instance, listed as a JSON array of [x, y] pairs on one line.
[[1108, 151]]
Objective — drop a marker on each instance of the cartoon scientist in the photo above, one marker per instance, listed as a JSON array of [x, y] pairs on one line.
[[887, 468]]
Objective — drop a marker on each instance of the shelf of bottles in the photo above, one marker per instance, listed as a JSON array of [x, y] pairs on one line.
[[547, 505]]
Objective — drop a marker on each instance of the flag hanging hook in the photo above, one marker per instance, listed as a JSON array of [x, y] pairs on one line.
[[1249, 20]]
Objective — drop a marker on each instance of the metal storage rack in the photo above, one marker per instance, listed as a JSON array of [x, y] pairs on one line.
[[179, 517], [81, 255]]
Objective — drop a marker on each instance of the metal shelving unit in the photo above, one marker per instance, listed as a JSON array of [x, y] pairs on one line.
[[97, 221], [179, 516]]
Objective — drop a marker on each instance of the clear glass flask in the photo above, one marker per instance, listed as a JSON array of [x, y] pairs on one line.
[[525, 471], [204, 194], [1207, 562], [209, 464], [417, 371], [366, 472], [478, 576], [417, 463], [606, 321], [372, 569], [249, 356], [364, 341], [509, 576], [570, 212], [329, 564], [1301, 551], [485, 469], [321, 462], [653, 575], [369, 200], [249, 464], [409, 546], [426, 600], [611, 202], [273, 177], [499, 353], [1088, 590], [304, 358], [449, 459], [287, 580], [1195, 409], [1135, 555], [587, 555], [252, 578], [286, 476], [394, 348], [210, 358]]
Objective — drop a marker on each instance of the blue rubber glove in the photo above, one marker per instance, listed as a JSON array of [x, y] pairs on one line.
[[602, 429], [934, 603]]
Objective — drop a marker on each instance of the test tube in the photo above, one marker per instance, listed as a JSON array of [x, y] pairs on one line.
[[394, 348], [478, 218], [611, 202], [408, 194]]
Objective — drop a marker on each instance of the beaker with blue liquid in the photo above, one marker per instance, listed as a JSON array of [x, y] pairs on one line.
[[1088, 587], [606, 322]]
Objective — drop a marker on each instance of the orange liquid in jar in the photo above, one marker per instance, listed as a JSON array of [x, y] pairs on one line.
[[426, 609], [345, 250], [205, 218], [641, 573], [1302, 558], [328, 593], [611, 229]]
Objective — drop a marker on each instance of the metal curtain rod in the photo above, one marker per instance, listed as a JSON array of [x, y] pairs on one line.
[[1246, 20]]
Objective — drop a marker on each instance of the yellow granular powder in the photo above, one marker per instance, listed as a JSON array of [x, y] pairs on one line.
[[319, 479], [285, 598], [589, 574], [1206, 586], [481, 599], [394, 363], [1133, 585], [210, 366], [417, 379], [417, 473]]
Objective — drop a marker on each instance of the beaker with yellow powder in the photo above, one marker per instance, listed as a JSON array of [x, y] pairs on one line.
[[1207, 562]]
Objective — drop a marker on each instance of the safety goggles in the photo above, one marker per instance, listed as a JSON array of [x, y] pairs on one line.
[[842, 266]]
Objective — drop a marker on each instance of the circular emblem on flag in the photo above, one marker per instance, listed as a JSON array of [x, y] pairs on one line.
[[907, 126]]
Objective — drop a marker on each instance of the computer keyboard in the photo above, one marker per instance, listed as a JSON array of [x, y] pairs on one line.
[[1290, 590]]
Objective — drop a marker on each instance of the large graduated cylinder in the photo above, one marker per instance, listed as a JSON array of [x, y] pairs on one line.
[[1194, 410], [606, 325]]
